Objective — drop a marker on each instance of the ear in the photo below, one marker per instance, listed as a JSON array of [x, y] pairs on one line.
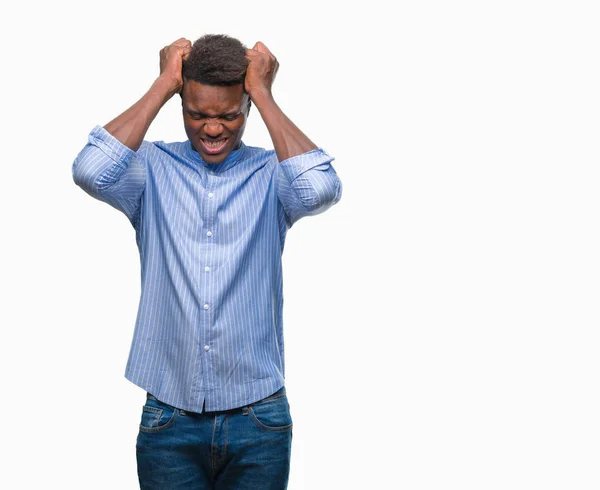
[[249, 103], [182, 86]]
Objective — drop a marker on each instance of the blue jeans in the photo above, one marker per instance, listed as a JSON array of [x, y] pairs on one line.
[[244, 448]]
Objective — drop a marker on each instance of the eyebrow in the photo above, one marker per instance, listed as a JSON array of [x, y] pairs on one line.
[[198, 113]]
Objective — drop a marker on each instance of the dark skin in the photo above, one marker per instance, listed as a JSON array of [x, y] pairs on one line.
[[212, 113], [218, 103]]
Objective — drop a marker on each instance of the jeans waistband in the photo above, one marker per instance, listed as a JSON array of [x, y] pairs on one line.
[[277, 394]]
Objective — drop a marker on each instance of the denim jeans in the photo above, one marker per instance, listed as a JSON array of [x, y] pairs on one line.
[[243, 448]]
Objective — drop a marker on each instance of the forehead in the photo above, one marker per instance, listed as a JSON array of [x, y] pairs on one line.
[[212, 99]]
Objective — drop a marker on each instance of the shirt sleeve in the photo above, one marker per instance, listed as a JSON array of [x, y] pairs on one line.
[[307, 184], [110, 171]]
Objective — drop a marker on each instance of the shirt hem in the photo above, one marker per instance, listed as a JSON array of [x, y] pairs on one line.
[[275, 385]]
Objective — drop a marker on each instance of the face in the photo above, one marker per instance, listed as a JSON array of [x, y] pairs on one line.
[[214, 118]]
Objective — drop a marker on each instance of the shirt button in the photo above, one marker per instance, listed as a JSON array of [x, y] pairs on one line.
[[210, 194], [206, 306], [207, 269], [206, 347], [209, 233]]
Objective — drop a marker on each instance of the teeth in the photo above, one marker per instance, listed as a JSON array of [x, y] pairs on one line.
[[214, 144]]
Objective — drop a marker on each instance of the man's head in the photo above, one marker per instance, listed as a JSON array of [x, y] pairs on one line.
[[215, 105]]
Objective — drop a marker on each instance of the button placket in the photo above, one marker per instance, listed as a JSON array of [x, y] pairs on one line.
[[210, 209]]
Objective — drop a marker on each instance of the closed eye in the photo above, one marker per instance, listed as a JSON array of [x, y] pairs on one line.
[[225, 117]]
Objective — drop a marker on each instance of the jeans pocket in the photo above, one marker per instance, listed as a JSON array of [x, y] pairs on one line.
[[156, 415], [272, 414]]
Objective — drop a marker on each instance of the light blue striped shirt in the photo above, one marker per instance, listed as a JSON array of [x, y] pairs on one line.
[[209, 331]]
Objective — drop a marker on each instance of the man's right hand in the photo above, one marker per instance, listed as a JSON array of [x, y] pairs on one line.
[[130, 127], [171, 63]]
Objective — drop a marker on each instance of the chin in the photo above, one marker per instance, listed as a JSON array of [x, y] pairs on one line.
[[215, 158]]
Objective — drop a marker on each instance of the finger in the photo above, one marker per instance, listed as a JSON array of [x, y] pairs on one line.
[[261, 48], [181, 50], [181, 42], [253, 56]]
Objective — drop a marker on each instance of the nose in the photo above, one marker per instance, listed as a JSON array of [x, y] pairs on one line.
[[213, 128]]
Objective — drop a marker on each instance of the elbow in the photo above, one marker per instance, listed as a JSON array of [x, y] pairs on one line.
[[93, 171], [325, 196], [83, 175], [79, 174]]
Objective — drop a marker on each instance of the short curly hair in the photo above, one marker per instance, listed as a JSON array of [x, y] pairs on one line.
[[216, 59]]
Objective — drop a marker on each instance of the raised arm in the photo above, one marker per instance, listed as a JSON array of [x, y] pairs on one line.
[[307, 183], [131, 126], [288, 140], [111, 167]]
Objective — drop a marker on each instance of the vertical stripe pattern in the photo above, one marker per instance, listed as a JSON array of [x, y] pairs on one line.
[[209, 330]]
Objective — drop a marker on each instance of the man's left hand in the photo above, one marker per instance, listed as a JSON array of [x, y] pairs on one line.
[[262, 68]]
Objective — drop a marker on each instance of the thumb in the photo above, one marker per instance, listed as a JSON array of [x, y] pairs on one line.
[[261, 48]]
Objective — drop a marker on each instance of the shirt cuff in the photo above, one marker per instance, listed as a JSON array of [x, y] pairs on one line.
[[297, 165], [110, 145]]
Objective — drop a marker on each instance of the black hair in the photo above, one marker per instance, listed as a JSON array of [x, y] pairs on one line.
[[216, 59]]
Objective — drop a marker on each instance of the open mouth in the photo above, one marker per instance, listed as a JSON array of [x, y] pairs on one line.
[[213, 147]]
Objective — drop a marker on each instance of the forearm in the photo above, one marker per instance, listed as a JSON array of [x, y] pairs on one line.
[[131, 126], [288, 140]]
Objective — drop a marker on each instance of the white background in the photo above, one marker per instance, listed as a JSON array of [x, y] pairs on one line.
[[441, 321]]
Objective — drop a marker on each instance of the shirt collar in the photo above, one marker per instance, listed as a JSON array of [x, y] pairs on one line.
[[233, 158]]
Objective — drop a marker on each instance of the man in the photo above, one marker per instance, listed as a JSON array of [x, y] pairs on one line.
[[211, 216]]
